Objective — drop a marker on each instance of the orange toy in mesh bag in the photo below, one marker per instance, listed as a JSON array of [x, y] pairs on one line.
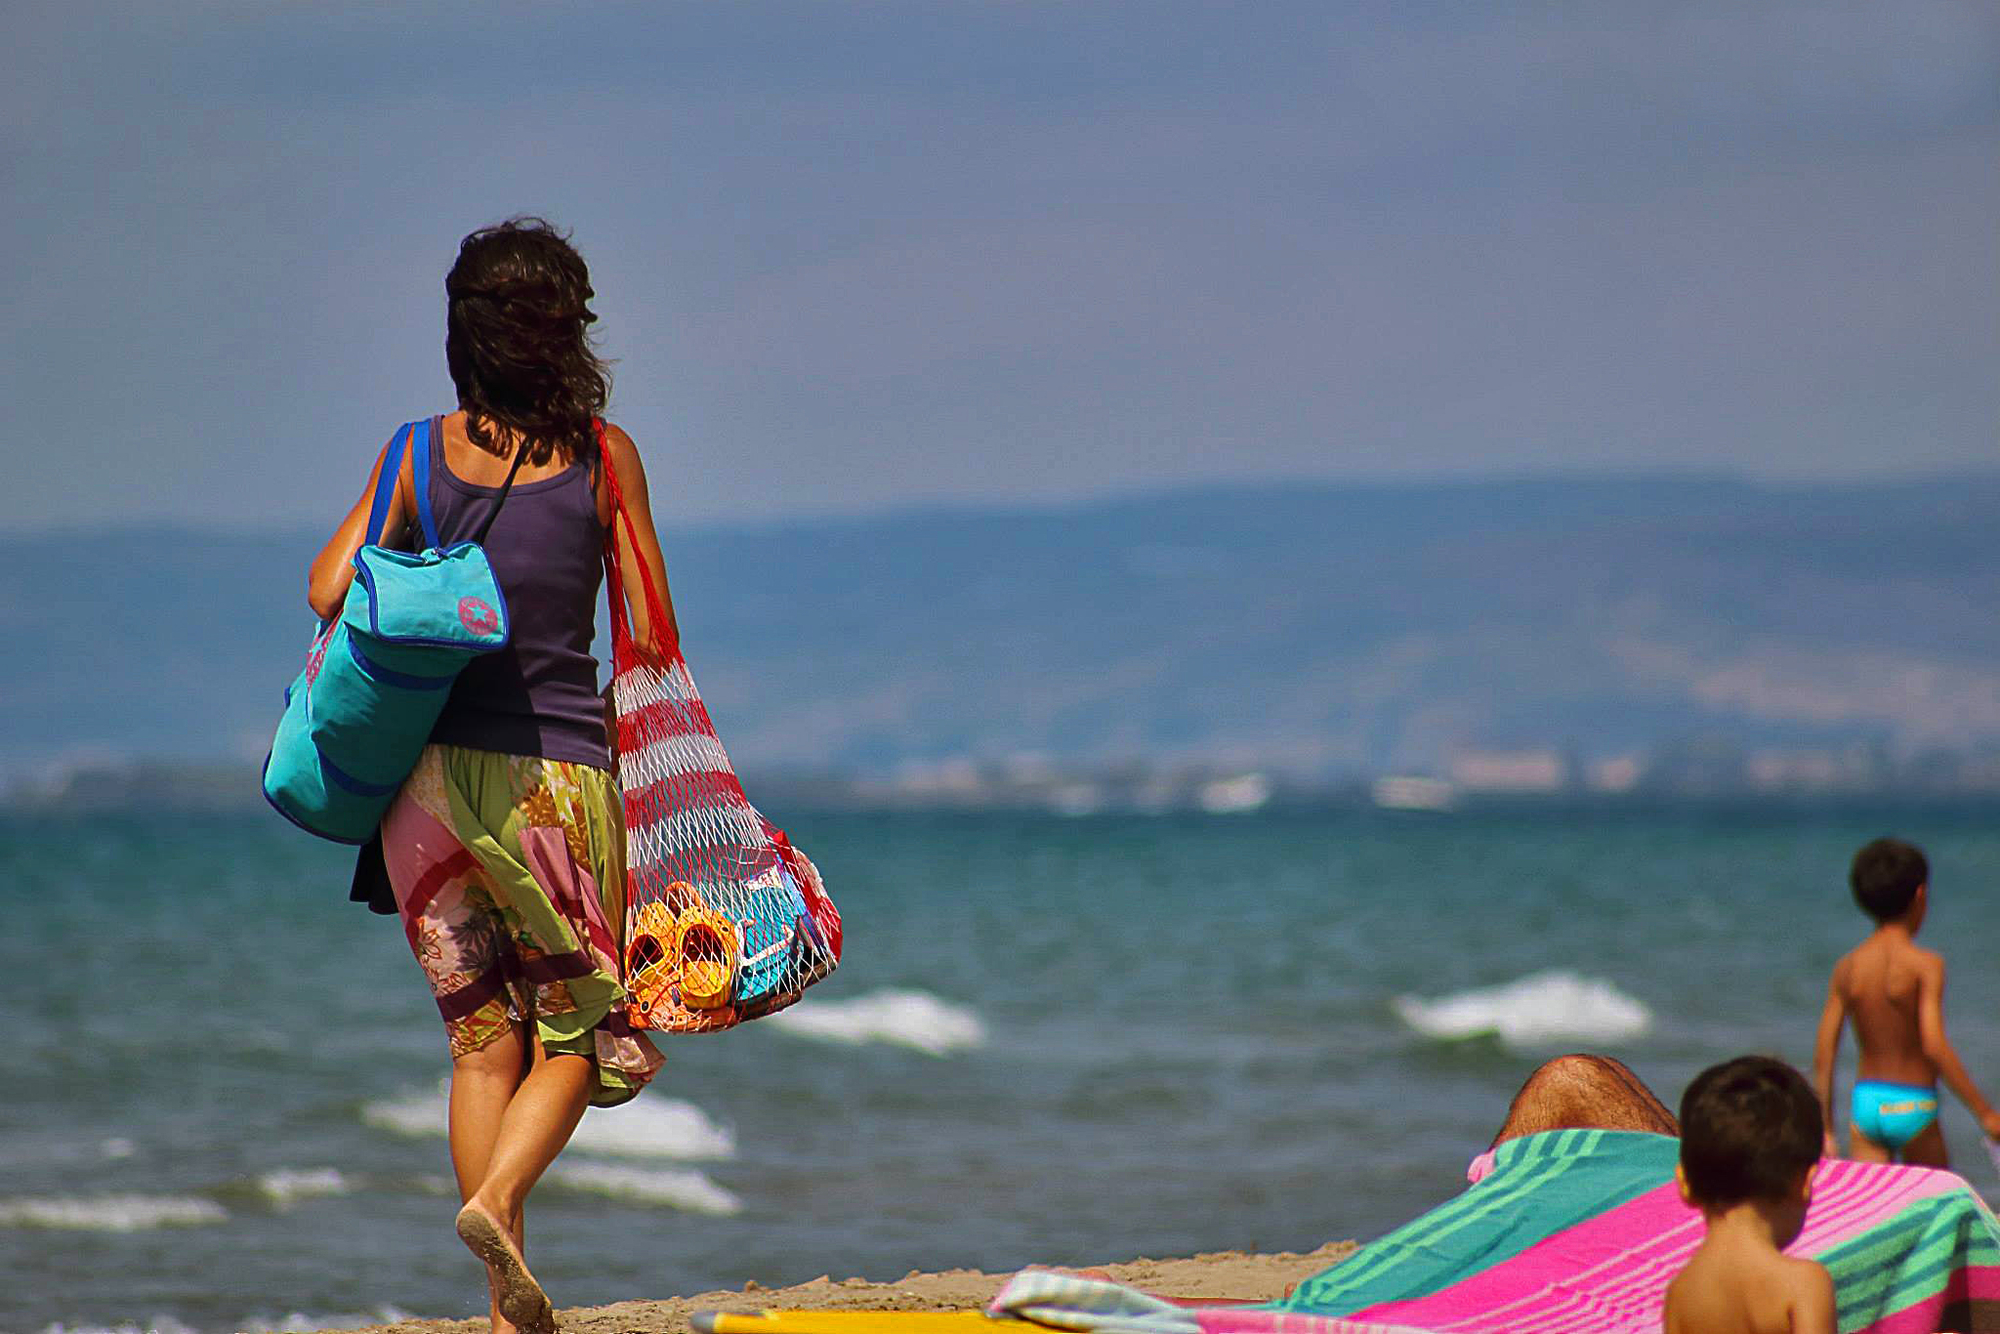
[[725, 920]]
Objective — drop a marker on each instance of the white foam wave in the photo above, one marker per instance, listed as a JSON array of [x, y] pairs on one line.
[[109, 1213], [654, 1128], [412, 1114], [296, 1323], [685, 1189], [1533, 1011], [118, 1147], [907, 1018], [300, 1323], [290, 1184], [649, 1128]]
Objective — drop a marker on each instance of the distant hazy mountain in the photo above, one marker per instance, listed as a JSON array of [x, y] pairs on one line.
[[1322, 629]]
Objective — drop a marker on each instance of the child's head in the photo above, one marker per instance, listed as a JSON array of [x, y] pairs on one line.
[[1886, 876], [1750, 1132]]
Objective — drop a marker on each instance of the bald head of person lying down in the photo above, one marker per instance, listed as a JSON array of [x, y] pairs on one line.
[[1584, 1092]]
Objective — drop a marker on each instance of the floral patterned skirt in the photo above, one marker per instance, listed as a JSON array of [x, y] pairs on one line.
[[509, 873]]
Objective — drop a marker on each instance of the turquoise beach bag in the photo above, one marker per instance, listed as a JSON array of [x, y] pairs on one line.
[[377, 675]]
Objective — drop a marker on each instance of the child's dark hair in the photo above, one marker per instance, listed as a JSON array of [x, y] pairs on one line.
[[1749, 1128], [1886, 876]]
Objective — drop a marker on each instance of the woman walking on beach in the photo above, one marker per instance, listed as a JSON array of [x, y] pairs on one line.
[[505, 848]]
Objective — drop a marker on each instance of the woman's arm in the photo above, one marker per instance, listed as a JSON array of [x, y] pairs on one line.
[[333, 569], [638, 543]]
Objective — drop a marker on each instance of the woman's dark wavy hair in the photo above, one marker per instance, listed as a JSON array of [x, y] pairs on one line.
[[517, 342]]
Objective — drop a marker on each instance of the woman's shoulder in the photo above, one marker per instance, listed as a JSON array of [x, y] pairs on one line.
[[621, 452], [616, 438]]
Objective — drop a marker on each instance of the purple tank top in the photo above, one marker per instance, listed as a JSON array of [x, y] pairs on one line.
[[538, 695]]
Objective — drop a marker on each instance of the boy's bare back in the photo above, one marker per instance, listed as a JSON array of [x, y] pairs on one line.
[[1882, 985], [1893, 993], [1741, 1289]]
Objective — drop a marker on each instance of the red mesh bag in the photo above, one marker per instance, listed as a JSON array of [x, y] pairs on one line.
[[725, 919]]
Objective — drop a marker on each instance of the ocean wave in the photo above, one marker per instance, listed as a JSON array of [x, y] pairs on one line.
[[906, 1018], [686, 1189], [1542, 1008], [650, 1128], [159, 1324], [109, 1213], [412, 1114], [654, 1128], [288, 1185], [299, 1322]]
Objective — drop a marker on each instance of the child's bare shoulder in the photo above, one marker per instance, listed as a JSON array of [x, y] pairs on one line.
[[1797, 1270], [1850, 962], [1908, 954], [1809, 1294], [1675, 1315], [1736, 1291]]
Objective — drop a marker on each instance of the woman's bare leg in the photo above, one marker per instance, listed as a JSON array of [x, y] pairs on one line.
[[540, 1118], [537, 1122], [483, 1082], [1584, 1092]]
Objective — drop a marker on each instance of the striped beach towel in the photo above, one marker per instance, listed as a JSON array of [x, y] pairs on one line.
[[1580, 1231]]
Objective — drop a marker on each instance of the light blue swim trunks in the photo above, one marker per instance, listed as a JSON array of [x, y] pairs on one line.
[[1893, 1114]]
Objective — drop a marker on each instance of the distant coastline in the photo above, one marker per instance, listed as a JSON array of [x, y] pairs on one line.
[[1672, 637]]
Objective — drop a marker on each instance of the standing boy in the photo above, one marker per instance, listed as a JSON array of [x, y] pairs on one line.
[[1750, 1133], [1894, 993]]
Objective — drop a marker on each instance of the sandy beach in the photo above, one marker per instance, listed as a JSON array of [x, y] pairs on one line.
[[1215, 1276]]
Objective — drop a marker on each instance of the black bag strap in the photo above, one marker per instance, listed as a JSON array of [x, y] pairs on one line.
[[520, 453]]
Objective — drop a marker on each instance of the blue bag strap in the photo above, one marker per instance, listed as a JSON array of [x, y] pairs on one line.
[[385, 487], [420, 458]]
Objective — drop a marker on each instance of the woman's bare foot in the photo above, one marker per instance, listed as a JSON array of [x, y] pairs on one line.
[[521, 1299]]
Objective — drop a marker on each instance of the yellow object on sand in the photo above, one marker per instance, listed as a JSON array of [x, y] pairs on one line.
[[853, 1322]]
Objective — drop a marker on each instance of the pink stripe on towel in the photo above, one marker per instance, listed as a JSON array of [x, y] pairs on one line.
[[1606, 1273], [1974, 1282], [1849, 1198], [1290, 1322]]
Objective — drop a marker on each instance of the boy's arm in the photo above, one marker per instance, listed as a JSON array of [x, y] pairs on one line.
[[1826, 1049], [1937, 1047], [1812, 1299]]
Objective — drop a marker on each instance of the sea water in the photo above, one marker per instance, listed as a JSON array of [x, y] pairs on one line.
[[1060, 1040]]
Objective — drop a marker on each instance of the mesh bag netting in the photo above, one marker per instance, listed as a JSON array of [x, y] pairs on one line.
[[725, 919]]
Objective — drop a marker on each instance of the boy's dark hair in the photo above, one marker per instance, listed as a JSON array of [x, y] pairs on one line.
[[1749, 1127], [1886, 876]]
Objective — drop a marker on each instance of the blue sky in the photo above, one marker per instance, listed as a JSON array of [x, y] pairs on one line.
[[855, 256]]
